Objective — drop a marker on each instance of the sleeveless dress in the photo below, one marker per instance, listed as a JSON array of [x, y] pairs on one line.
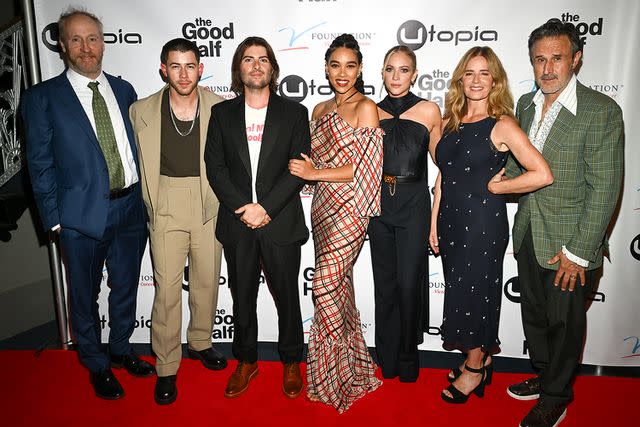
[[339, 366], [473, 233], [398, 240]]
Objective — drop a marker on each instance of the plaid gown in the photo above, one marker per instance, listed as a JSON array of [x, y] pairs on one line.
[[339, 366]]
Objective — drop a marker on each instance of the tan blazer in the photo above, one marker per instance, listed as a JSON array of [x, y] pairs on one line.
[[146, 120]]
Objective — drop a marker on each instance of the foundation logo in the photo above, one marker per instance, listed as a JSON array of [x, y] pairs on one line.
[[296, 88], [610, 89], [585, 28], [363, 38], [50, 36], [146, 280], [436, 286], [207, 36], [634, 346], [415, 34], [294, 35]]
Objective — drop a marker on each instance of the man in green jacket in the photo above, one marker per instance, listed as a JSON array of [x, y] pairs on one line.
[[559, 230]]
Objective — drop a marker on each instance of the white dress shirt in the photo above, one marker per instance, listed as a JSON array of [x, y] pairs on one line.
[[85, 95]]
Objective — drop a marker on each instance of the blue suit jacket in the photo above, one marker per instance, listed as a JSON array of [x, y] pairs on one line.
[[67, 168]]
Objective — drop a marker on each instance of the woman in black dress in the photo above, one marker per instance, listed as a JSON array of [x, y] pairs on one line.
[[469, 224], [399, 237]]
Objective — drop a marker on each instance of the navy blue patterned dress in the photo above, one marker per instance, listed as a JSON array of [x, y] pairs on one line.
[[473, 233]]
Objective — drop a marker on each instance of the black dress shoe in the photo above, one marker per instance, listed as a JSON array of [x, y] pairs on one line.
[[541, 416], [210, 358], [165, 392], [526, 390], [106, 385], [133, 364]]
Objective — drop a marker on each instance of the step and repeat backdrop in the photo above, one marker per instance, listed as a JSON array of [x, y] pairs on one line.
[[439, 32]]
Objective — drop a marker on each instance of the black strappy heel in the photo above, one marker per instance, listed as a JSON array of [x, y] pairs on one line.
[[457, 372], [460, 397]]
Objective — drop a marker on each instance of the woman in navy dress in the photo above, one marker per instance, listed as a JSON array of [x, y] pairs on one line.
[[469, 224], [399, 237]]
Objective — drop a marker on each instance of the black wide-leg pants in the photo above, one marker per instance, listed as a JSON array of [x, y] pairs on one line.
[[399, 245]]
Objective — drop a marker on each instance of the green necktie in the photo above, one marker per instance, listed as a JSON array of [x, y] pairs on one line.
[[107, 138]]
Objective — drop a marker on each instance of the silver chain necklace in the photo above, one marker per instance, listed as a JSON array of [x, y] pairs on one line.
[[173, 120]]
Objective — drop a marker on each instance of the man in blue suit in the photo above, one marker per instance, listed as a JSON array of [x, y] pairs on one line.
[[83, 165]]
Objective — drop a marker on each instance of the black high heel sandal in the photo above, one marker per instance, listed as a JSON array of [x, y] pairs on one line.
[[488, 368], [457, 372], [460, 397]]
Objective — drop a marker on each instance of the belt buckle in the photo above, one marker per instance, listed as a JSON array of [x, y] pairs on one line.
[[391, 180]]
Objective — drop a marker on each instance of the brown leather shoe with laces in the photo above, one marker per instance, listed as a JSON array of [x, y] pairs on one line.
[[291, 380], [239, 380]]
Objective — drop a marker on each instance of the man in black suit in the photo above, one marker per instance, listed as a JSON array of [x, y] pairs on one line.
[[83, 165], [260, 222]]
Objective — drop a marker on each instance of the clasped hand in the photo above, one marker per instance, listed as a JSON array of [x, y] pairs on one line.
[[253, 215], [303, 168]]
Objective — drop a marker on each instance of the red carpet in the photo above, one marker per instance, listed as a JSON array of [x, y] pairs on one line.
[[53, 390]]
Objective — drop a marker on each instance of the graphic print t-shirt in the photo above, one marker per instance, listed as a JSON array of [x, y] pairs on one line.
[[254, 119]]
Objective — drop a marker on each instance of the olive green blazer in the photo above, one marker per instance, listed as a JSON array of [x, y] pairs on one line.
[[585, 153]]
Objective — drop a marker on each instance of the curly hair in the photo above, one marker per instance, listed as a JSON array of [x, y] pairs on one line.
[[500, 98], [349, 42]]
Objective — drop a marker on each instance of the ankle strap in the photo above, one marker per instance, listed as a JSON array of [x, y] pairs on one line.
[[474, 370]]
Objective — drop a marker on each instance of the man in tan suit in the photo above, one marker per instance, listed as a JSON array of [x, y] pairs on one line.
[[171, 128]]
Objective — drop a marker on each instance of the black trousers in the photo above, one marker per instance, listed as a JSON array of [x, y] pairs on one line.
[[554, 323], [398, 241], [281, 265]]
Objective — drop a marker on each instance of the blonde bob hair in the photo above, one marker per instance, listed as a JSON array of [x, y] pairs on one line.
[[500, 98]]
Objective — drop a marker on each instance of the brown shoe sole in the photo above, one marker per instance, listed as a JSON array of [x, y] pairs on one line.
[[240, 392], [291, 395]]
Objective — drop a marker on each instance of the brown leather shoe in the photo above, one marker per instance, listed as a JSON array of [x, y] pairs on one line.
[[291, 380], [239, 380]]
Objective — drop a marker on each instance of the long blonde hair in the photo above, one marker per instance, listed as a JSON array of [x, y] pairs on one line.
[[500, 98]]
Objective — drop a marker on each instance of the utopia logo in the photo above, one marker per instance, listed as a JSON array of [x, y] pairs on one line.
[[50, 36], [635, 247], [297, 89], [512, 289], [294, 87], [415, 34]]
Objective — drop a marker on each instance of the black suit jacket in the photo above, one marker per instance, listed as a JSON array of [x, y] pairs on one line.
[[285, 136]]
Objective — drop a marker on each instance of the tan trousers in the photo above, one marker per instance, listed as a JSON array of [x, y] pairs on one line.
[[178, 234]]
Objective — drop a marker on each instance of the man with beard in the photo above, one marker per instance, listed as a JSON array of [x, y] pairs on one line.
[[170, 128], [261, 223], [559, 230], [83, 166]]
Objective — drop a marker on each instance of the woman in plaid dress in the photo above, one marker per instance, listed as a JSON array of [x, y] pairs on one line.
[[346, 165]]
